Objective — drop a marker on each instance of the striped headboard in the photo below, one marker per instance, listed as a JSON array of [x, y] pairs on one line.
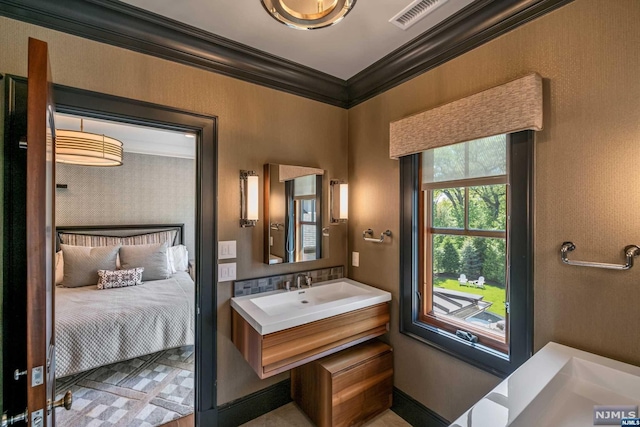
[[103, 235]]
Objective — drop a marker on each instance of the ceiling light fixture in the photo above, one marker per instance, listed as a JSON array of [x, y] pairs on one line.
[[308, 14], [87, 149]]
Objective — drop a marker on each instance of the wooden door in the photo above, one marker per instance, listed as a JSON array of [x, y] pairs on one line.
[[40, 241]]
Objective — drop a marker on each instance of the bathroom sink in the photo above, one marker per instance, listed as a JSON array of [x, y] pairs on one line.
[[275, 311], [559, 386]]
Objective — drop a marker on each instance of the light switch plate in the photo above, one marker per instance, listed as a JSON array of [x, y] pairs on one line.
[[227, 249], [226, 272], [355, 259]]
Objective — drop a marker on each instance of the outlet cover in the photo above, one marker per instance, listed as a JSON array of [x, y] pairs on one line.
[[227, 272], [355, 259], [227, 249]]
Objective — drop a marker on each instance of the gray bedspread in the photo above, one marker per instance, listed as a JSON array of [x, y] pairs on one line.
[[98, 327]]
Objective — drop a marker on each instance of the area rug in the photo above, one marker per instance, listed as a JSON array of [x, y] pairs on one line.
[[147, 391]]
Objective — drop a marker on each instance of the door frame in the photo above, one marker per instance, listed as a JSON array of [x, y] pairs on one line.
[[125, 110]]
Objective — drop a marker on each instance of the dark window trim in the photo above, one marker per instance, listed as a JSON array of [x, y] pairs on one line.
[[521, 157], [98, 105]]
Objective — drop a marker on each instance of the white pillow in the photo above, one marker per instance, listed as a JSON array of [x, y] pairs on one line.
[[59, 268], [178, 258]]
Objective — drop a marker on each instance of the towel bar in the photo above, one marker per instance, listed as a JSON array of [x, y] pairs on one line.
[[630, 252], [369, 232]]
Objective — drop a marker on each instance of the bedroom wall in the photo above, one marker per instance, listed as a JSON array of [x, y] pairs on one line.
[[257, 125], [144, 190], [587, 186]]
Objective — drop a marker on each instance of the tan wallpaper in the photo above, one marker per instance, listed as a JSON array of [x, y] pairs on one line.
[[256, 126], [587, 186]]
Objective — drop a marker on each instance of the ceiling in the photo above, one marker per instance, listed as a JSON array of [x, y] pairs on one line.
[[135, 139], [342, 50]]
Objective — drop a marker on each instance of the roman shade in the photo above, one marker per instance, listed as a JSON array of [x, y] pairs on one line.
[[511, 107]]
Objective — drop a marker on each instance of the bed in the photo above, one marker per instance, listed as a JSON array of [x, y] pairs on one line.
[[98, 327]]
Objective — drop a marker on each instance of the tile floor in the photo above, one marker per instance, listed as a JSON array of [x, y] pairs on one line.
[[290, 415]]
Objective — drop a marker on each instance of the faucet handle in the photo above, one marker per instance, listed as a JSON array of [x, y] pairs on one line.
[[308, 280], [287, 285]]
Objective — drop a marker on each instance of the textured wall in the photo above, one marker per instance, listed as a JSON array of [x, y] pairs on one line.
[[587, 186], [256, 126], [144, 190]]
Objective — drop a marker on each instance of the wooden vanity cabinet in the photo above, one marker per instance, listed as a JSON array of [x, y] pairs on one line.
[[281, 351], [347, 388]]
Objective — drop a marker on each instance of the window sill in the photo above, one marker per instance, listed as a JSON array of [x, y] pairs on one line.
[[480, 356]]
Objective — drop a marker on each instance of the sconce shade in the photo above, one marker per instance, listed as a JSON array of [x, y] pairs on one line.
[[339, 202], [87, 149], [249, 214], [344, 201], [252, 198]]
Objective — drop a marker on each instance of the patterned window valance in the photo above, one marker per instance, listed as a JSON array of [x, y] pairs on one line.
[[507, 108]]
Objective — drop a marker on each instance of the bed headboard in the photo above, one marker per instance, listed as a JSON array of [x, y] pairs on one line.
[[120, 230]]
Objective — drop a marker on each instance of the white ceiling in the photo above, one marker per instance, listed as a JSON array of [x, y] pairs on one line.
[[135, 139], [342, 50]]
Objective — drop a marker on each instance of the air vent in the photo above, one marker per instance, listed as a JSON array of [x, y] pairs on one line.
[[413, 13]]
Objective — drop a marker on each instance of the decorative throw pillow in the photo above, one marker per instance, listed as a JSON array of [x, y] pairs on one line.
[[152, 257], [119, 278], [178, 258], [59, 268], [81, 264]]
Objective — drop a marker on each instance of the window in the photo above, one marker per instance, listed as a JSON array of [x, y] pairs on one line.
[[466, 249], [305, 200], [307, 224]]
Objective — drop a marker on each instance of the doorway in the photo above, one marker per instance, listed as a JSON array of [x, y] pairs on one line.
[[98, 106]]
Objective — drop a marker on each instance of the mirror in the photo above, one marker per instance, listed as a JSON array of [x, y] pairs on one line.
[[293, 213]]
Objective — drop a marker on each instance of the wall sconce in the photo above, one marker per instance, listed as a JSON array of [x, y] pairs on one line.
[[248, 198], [339, 203]]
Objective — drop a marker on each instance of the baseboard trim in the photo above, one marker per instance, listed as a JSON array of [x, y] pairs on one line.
[[414, 412], [254, 405]]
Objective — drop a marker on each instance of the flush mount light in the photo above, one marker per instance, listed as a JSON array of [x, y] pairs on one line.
[[87, 149], [339, 201], [248, 198], [308, 14]]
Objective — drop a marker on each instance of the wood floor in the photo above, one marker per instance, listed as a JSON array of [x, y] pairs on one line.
[[188, 421]]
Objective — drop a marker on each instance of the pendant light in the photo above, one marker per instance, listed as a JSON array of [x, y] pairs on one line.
[[87, 149]]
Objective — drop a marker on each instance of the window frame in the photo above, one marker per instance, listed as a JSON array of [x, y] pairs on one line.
[[519, 254], [486, 338]]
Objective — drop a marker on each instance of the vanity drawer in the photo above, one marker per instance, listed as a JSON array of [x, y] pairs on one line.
[[347, 388]]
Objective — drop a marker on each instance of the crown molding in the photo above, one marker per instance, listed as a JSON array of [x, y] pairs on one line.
[[120, 24], [478, 23]]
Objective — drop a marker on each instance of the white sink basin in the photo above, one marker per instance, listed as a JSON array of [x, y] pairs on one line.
[[559, 387], [275, 311]]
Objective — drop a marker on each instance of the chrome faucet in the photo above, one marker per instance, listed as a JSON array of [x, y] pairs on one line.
[[307, 280]]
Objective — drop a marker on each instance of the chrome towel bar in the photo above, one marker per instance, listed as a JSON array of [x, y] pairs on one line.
[[369, 232], [630, 252]]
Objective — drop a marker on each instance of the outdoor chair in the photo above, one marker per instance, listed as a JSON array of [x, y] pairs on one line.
[[463, 280]]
